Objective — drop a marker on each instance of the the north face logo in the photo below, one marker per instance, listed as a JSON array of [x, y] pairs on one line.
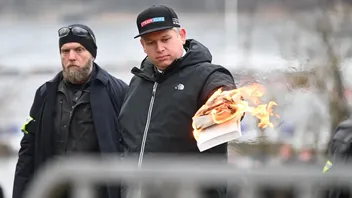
[[179, 87]]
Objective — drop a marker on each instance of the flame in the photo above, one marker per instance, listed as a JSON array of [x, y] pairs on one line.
[[226, 105]]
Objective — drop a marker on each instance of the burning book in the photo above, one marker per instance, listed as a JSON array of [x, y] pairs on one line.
[[218, 120]]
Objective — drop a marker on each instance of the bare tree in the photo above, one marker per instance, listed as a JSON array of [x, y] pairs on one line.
[[319, 41], [332, 26], [315, 40]]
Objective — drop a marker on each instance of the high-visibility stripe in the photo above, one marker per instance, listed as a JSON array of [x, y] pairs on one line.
[[327, 166], [24, 126]]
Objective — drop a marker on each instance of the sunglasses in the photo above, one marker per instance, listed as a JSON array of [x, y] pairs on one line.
[[77, 31]]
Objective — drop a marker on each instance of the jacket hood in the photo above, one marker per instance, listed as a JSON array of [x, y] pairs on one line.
[[196, 53]]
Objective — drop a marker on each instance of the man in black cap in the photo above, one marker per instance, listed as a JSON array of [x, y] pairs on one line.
[[174, 81], [74, 113]]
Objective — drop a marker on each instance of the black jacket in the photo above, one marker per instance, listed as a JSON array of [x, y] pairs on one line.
[[160, 106], [106, 97], [341, 153]]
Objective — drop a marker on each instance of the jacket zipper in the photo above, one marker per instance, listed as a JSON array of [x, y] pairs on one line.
[[145, 133]]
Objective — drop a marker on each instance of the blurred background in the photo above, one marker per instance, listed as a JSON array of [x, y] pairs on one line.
[[299, 50]]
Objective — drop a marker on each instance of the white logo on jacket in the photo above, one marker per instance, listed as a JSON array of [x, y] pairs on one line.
[[179, 87]]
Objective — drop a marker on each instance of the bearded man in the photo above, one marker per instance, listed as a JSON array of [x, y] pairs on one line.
[[74, 113]]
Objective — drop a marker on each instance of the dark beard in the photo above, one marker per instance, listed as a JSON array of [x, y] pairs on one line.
[[77, 75]]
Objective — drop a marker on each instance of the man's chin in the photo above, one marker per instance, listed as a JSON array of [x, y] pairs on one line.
[[74, 76], [164, 64]]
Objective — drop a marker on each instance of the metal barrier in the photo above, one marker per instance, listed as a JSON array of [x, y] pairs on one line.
[[84, 172]]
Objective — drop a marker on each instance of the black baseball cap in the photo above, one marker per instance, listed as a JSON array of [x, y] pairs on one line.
[[156, 18]]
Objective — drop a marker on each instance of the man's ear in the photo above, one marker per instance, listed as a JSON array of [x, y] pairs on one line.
[[183, 35], [143, 45]]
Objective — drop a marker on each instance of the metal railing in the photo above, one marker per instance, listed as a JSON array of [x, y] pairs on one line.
[[84, 172]]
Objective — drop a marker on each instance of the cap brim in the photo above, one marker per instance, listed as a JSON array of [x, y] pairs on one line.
[[154, 30]]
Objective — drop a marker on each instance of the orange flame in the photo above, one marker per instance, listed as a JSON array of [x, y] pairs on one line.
[[223, 106]]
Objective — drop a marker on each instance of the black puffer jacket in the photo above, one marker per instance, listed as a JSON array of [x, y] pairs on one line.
[[156, 116]]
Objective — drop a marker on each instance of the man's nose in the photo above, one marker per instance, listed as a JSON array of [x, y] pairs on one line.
[[72, 55], [160, 47]]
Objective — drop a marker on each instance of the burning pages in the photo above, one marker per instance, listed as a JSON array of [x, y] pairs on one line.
[[218, 120]]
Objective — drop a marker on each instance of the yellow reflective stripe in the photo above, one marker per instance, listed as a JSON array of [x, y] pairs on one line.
[[24, 126], [327, 166]]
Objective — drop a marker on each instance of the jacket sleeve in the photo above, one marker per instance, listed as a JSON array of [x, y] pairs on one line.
[[118, 91], [217, 80], [25, 164]]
